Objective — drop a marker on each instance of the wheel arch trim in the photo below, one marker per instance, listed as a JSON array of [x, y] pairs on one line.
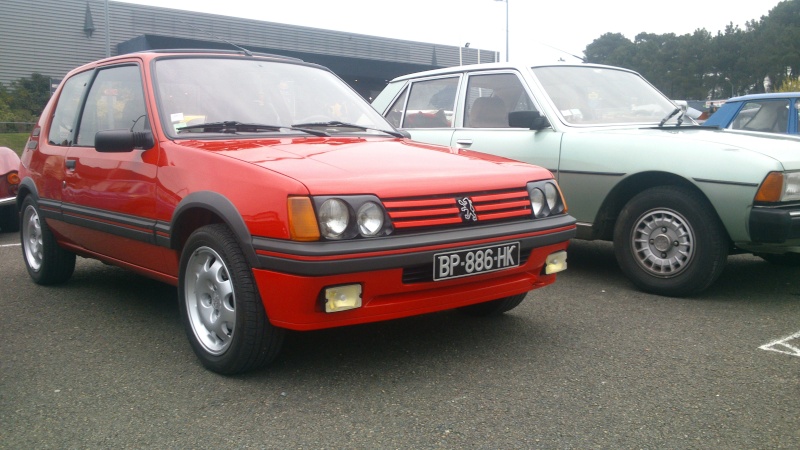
[[217, 204]]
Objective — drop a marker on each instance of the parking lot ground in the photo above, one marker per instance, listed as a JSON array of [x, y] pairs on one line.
[[102, 362]]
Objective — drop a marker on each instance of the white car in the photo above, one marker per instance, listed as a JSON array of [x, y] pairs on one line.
[[676, 198]]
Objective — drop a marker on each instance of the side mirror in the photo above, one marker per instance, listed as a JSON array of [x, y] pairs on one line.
[[114, 141], [532, 120]]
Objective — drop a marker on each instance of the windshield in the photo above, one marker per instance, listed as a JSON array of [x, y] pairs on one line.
[[603, 96], [256, 97]]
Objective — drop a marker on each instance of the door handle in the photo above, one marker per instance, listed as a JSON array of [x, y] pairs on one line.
[[71, 164], [466, 142]]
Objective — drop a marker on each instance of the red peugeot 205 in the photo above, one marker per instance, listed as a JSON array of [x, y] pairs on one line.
[[274, 197]]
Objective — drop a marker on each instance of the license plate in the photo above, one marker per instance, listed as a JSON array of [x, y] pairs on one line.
[[473, 261]]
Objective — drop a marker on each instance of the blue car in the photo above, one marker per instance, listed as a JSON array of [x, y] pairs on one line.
[[769, 113]]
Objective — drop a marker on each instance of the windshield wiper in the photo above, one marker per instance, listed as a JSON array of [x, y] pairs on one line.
[[237, 127], [336, 123], [669, 116]]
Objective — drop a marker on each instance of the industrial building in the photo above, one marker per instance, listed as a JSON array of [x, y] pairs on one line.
[[51, 37]]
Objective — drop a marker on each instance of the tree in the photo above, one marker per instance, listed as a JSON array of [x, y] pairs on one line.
[[30, 94], [698, 65]]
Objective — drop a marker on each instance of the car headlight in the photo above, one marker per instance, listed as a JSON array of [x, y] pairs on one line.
[[370, 219], [779, 187], [537, 201], [551, 195], [546, 199], [351, 216], [334, 216]]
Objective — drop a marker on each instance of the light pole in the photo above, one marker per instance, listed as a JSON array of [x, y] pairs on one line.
[[506, 2]]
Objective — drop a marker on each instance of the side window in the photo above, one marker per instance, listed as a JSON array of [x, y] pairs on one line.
[[395, 114], [770, 116], [431, 103], [115, 101], [62, 126], [491, 97]]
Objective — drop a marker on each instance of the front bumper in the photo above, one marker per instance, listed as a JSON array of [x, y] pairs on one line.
[[774, 225], [396, 275]]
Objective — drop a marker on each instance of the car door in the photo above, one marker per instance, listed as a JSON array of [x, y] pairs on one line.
[[484, 105], [110, 196]]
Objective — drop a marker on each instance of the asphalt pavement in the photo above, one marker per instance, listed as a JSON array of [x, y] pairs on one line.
[[589, 362]]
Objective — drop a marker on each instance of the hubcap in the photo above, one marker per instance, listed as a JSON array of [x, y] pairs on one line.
[[663, 243], [32, 239], [210, 301]]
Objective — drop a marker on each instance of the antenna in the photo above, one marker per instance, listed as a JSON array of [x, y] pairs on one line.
[[562, 51], [246, 51]]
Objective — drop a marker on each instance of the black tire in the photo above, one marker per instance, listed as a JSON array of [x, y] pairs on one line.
[[786, 259], [669, 241], [494, 307], [9, 219], [220, 306], [47, 263]]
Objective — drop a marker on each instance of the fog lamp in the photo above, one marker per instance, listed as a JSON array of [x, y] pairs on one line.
[[556, 262], [342, 298]]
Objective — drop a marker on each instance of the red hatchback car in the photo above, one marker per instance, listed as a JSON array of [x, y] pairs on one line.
[[274, 197]]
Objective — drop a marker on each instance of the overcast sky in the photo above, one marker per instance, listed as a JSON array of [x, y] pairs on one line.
[[536, 27]]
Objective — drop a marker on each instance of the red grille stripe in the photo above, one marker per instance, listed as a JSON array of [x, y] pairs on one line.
[[504, 215], [426, 222], [428, 202], [429, 212], [495, 206], [499, 197]]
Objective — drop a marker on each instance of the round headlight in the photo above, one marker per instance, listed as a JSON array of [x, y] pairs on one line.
[[370, 219], [537, 201], [334, 216], [551, 194]]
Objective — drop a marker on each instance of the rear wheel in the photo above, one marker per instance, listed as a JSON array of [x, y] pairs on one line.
[[221, 309], [494, 307], [47, 263], [668, 241]]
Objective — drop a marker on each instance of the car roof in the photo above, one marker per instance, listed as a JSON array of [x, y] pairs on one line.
[[767, 96], [500, 66]]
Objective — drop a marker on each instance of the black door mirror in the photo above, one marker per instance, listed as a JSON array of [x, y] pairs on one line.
[[111, 141], [532, 120]]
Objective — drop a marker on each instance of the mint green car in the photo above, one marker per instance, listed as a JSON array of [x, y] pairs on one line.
[[674, 197]]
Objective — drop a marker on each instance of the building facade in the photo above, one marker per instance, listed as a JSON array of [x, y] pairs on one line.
[[51, 37]]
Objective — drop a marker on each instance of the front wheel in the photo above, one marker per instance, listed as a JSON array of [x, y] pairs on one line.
[[47, 263], [220, 307], [668, 241], [494, 307]]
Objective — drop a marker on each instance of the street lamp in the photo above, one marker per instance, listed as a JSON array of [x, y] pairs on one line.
[[506, 2]]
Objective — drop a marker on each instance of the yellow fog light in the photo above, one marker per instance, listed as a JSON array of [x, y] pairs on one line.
[[556, 262], [342, 298]]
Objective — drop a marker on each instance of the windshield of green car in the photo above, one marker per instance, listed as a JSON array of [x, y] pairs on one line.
[[257, 97], [587, 95]]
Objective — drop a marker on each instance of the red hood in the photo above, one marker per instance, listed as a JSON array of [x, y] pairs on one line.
[[381, 166]]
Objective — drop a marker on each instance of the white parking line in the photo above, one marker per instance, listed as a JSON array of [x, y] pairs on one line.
[[10, 245], [785, 345]]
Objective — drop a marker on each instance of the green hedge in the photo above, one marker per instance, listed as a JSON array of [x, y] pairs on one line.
[[14, 141]]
